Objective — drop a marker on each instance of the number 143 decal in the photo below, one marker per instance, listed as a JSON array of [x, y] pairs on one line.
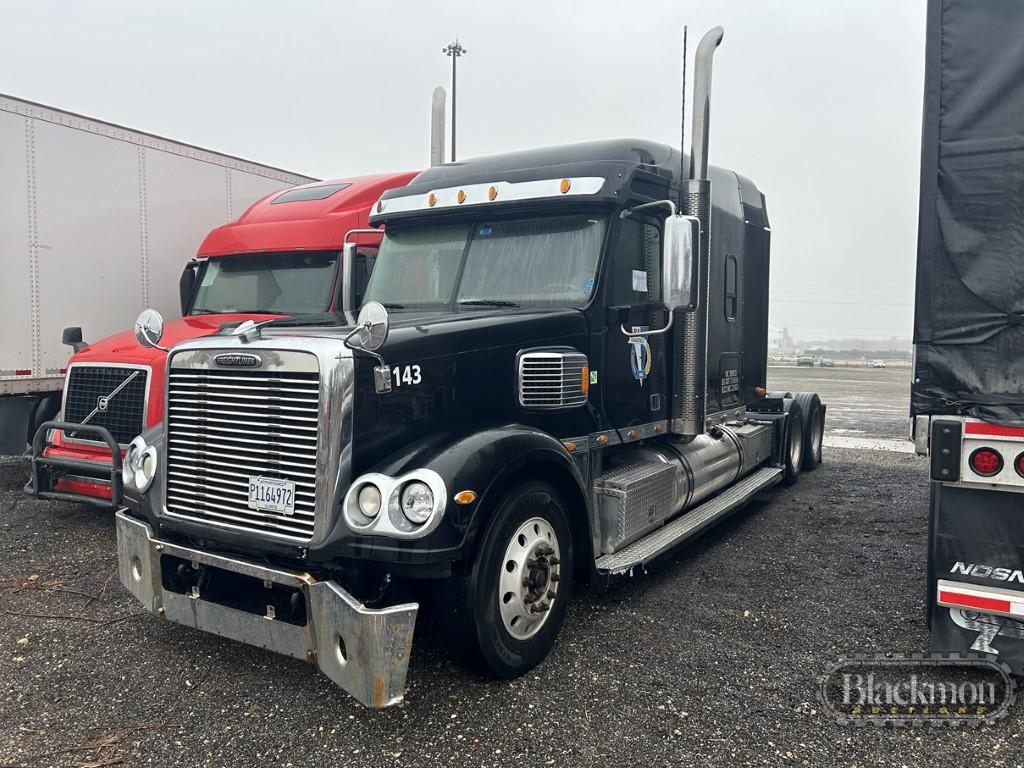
[[406, 374]]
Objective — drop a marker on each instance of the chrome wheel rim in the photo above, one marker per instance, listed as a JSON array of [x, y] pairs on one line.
[[529, 577], [816, 432], [796, 446]]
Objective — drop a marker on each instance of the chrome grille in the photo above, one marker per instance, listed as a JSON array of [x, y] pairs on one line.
[[552, 379], [122, 413], [225, 426]]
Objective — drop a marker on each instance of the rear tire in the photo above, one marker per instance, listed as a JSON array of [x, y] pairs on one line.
[[814, 429], [794, 453], [504, 612]]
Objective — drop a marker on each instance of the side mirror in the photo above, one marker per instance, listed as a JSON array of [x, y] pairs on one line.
[[187, 285], [371, 329], [680, 263], [73, 338], [369, 335], [149, 329]]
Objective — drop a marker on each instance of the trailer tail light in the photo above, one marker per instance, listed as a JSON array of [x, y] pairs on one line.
[[986, 462], [1018, 464]]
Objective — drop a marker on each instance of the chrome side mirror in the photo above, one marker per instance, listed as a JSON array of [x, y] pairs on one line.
[[680, 251], [369, 335], [149, 329], [371, 329]]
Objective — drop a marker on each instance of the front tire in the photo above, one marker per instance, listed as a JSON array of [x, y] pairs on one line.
[[508, 607]]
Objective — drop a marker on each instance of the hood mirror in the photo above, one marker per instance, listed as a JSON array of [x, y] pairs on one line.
[[149, 329], [369, 335], [371, 329]]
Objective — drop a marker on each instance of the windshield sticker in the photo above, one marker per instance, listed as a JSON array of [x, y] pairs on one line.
[[587, 287], [485, 231], [208, 277], [639, 354], [639, 281]]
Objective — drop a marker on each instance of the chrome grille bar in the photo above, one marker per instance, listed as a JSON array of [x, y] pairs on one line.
[[225, 426]]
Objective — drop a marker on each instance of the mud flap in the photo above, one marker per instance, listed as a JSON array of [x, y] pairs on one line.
[[977, 540], [962, 631]]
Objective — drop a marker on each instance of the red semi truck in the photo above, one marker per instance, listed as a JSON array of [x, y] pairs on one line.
[[282, 257]]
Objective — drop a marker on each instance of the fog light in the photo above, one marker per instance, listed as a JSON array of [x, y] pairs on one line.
[[986, 462], [369, 500], [417, 502]]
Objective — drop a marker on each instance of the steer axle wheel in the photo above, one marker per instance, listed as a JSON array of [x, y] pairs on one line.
[[504, 612]]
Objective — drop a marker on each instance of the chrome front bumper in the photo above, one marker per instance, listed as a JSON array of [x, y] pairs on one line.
[[364, 651]]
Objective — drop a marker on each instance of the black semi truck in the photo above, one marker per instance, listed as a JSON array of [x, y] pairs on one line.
[[968, 386], [558, 376]]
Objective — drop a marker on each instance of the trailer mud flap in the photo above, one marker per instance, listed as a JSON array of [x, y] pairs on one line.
[[976, 573]]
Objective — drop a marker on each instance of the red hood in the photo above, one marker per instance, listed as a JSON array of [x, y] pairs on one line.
[[123, 348]]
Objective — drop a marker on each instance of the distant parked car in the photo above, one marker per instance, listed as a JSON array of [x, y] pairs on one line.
[[878, 363], [827, 362], [805, 360]]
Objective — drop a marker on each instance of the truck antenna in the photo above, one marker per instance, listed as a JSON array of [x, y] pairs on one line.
[[682, 133]]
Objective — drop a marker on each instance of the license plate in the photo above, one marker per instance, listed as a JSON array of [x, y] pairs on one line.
[[271, 494]]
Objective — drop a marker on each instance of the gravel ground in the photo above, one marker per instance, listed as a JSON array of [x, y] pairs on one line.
[[710, 658]]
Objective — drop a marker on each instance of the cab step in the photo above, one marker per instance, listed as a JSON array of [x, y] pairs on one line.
[[690, 524]]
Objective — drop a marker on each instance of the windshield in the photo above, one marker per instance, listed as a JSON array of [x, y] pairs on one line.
[[273, 283], [547, 261]]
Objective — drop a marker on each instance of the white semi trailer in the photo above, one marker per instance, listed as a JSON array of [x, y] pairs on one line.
[[96, 222]]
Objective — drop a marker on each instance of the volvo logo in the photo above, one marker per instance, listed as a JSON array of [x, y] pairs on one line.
[[239, 360], [103, 401]]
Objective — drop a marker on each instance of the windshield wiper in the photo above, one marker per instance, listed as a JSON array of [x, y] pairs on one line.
[[388, 305], [488, 303]]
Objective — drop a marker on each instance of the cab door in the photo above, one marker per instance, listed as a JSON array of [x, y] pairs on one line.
[[635, 372]]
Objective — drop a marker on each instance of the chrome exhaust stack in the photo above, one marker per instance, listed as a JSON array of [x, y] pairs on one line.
[[689, 400], [437, 127]]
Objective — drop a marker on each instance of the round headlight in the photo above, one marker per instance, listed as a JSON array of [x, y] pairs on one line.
[[145, 468], [417, 502], [369, 500]]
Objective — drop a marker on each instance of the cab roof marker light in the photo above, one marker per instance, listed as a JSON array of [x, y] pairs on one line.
[[506, 191]]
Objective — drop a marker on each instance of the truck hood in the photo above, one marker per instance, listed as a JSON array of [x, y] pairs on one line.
[[124, 348], [417, 335]]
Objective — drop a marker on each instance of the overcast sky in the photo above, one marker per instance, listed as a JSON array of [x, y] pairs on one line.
[[817, 101]]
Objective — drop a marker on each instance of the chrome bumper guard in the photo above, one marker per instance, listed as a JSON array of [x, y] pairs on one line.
[[364, 651]]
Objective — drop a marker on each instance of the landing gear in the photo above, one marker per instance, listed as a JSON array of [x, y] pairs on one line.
[[504, 613]]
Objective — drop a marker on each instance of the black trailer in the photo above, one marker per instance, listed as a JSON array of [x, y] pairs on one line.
[[968, 386], [557, 377]]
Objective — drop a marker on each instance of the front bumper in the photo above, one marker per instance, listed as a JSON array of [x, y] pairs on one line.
[[364, 651], [71, 478]]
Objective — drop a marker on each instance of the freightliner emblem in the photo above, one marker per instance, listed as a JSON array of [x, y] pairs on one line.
[[238, 360]]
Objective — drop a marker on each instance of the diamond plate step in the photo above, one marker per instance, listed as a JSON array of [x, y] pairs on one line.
[[690, 524]]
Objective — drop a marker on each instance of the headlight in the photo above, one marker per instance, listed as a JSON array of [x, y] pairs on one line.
[[369, 500], [139, 465], [417, 502]]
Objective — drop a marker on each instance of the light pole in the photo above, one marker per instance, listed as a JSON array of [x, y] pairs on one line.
[[454, 50]]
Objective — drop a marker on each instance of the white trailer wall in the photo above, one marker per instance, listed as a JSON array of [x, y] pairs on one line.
[[96, 223]]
